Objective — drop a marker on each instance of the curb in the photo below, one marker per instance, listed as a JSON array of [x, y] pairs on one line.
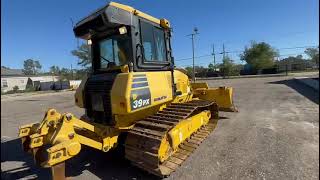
[[243, 76], [29, 95]]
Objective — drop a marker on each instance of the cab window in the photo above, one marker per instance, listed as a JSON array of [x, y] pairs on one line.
[[153, 42], [113, 51]]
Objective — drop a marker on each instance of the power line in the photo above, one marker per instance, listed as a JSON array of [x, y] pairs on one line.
[[299, 47], [184, 59], [207, 63], [237, 51]]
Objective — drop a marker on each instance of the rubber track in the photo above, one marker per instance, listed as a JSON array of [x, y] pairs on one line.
[[143, 141]]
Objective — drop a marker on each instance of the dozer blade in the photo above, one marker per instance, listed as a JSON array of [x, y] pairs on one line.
[[223, 96]]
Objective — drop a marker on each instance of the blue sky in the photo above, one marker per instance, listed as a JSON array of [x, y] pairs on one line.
[[42, 29]]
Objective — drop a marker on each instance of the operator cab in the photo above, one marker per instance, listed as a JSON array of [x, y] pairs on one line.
[[124, 38]]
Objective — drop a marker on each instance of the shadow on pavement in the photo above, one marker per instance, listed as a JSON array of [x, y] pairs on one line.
[[22, 163], [304, 90], [109, 165]]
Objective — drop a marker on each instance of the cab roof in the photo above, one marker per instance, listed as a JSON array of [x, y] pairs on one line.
[[105, 17]]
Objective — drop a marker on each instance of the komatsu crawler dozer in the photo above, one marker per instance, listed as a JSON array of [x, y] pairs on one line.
[[134, 97]]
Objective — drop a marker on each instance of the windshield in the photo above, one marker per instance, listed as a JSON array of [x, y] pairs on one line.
[[114, 51]]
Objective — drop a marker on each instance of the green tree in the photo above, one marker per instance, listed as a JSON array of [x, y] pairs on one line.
[[65, 74], [15, 89], [55, 70], [189, 71], [226, 66], [83, 53], [259, 55], [292, 63], [200, 71], [5, 67], [313, 53], [212, 68], [80, 74], [229, 68], [31, 67]]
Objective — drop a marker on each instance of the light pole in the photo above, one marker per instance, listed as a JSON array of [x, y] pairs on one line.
[[214, 58], [195, 32]]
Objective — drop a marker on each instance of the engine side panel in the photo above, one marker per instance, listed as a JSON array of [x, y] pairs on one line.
[[136, 95], [133, 92]]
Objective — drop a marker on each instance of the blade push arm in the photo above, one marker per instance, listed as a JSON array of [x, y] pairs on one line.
[[59, 137]]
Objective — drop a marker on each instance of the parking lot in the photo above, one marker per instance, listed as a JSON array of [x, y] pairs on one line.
[[275, 135]]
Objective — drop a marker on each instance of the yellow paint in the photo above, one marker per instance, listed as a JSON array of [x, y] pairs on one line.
[[181, 132], [165, 149], [78, 96], [61, 132], [185, 128], [163, 22], [221, 95]]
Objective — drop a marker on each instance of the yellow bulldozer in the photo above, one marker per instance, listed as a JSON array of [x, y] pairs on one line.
[[134, 98]]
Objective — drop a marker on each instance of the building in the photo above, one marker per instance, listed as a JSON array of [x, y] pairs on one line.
[[15, 77]]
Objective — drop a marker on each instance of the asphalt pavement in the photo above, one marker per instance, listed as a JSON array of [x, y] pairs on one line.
[[275, 135]]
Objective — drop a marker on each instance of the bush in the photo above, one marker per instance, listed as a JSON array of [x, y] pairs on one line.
[[15, 89], [30, 89]]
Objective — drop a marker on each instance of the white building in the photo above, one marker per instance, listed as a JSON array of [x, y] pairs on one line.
[[15, 77]]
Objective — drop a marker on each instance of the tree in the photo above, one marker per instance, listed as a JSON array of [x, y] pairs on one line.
[[226, 67], [80, 74], [292, 63], [189, 71], [259, 55], [212, 68], [15, 89], [31, 67], [229, 68], [313, 53], [5, 67], [83, 53], [200, 71], [55, 70], [65, 74]]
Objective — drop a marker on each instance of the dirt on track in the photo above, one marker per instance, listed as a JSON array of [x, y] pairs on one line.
[[274, 136]]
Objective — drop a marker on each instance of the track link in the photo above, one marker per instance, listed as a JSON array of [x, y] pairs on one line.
[[143, 141]]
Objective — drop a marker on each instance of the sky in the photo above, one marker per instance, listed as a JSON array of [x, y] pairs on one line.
[[42, 30]]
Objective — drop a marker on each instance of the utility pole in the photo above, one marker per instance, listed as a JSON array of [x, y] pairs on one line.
[[71, 72], [223, 51], [223, 58], [195, 32], [214, 58]]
